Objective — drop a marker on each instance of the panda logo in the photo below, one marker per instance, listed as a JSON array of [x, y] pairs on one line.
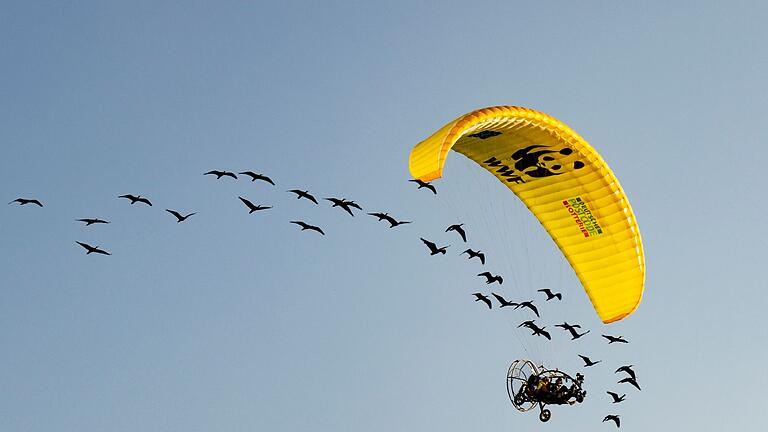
[[538, 161]]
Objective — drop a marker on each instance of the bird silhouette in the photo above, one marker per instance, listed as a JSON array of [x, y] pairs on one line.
[[136, 198], [550, 295], [344, 204], [630, 380], [539, 331], [628, 370], [386, 217], [254, 176], [613, 418], [25, 201], [588, 362], [179, 216], [616, 397], [612, 339], [529, 305], [252, 207], [502, 301], [484, 299], [303, 194], [306, 226], [93, 221], [93, 249], [473, 254], [423, 184], [433, 249], [489, 278], [572, 329], [529, 324], [458, 228], [220, 174]]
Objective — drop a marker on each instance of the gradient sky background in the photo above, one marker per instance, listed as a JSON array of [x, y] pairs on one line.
[[231, 322]]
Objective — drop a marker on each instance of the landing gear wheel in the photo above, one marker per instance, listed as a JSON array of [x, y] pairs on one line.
[[519, 400], [580, 398], [545, 415]]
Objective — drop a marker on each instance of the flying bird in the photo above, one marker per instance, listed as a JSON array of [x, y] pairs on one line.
[[220, 174], [252, 207], [303, 194], [572, 329], [484, 299], [92, 221], [588, 362], [254, 176], [539, 331], [24, 201], [458, 228], [473, 254], [613, 418], [529, 305], [179, 216], [433, 249], [529, 324], [632, 381], [489, 278], [306, 226], [423, 184], [551, 295], [612, 339], [93, 249], [616, 397], [628, 370], [502, 301], [344, 204], [392, 222], [136, 198]]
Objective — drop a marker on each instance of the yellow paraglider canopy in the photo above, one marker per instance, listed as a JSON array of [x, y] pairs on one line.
[[565, 183]]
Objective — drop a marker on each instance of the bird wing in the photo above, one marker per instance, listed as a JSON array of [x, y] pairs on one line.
[[145, 201], [247, 203], [175, 213]]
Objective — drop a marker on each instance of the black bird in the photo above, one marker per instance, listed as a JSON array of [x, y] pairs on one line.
[[303, 194], [392, 222], [588, 362], [306, 226], [24, 201], [613, 418], [473, 254], [612, 339], [550, 295], [502, 301], [251, 206], [529, 305], [254, 176], [433, 249], [530, 324], [539, 331], [484, 299], [220, 174], [136, 198], [179, 216], [567, 326], [344, 204], [93, 221], [630, 381], [616, 397], [489, 278], [628, 370], [458, 228], [423, 184], [93, 249]]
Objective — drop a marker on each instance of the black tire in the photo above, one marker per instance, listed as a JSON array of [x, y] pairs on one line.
[[545, 415], [579, 398]]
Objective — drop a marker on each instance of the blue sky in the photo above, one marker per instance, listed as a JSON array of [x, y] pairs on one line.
[[240, 322]]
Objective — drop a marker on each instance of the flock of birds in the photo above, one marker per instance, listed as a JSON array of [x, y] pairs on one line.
[[350, 207]]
